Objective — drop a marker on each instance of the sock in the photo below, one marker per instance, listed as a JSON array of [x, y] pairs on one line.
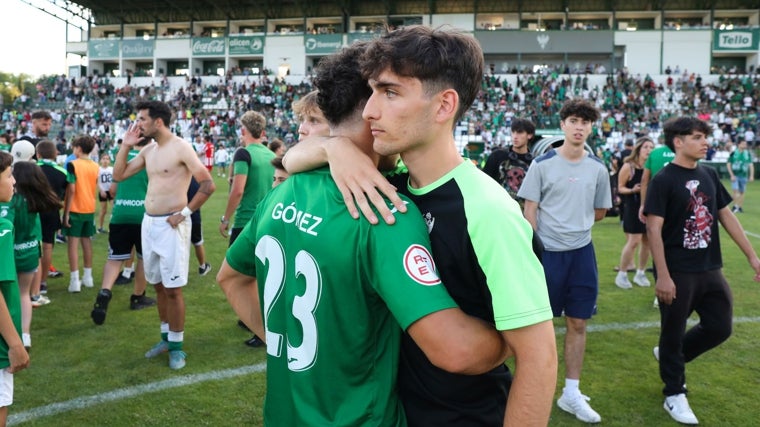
[[164, 331], [640, 272], [175, 340], [87, 273], [622, 274], [127, 272], [75, 276], [572, 387], [26, 339]]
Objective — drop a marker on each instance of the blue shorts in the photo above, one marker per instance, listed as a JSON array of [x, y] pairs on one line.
[[739, 184], [573, 281]]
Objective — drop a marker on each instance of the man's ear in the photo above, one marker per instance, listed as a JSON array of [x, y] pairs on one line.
[[448, 105]]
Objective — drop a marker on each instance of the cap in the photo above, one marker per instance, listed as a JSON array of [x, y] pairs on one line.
[[22, 151]]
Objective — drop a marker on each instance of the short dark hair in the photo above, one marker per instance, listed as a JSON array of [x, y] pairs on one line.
[[341, 88], [523, 125], [156, 110], [46, 149], [580, 108], [681, 126], [85, 142], [41, 114], [439, 58], [6, 160], [277, 163]]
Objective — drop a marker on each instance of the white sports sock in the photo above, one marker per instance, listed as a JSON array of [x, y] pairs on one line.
[[87, 273], [75, 276], [176, 336], [26, 339], [572, 387], [127, 272], [640, 272], [164, 328]]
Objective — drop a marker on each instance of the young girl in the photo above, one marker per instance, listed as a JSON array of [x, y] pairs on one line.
[[13, 356], [33, 195], [105, 177]]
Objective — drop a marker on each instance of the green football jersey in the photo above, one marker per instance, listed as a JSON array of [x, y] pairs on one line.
[[740, 162], [8, 284], [658, 159], [129, 201], [26, 226], [336, 294], [254, 161]]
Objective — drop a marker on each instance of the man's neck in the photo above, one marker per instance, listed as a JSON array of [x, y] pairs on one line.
[[430, 162], [251, 141], [520, 150], [685, 162], [572, 152]]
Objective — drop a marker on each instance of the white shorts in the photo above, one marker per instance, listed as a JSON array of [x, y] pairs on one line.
[[6, 388], [166, 251]]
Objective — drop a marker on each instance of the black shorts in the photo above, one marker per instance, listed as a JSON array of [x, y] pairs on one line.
[[105, 199], [121, 239], [51, 222], [196, 234]]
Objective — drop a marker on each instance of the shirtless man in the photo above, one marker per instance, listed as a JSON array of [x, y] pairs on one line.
[[170, 162]]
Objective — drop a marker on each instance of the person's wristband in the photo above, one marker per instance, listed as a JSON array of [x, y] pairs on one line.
[[186, 212], [224, 220]]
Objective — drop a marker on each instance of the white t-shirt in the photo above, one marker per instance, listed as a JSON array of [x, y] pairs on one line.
[[105, 176]]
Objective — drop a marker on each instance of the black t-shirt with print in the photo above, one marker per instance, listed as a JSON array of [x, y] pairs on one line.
[[689, 201]]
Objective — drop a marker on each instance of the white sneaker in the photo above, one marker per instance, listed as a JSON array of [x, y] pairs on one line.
[[87, 282], [75, 286], [678, 408], [656, 303], [656, 352], [40, 300], [578, 406], [622, 282], [641, 280]]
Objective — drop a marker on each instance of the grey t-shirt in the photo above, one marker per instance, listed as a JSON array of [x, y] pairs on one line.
[[567, 194]]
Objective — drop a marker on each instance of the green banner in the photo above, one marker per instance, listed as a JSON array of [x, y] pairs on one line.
[[100, 49], [744, 39], [246, 45], [208, 46], [322, 43], [137, 48]]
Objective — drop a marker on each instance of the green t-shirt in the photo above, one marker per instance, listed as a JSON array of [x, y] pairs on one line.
[[26, 225], [740, 162], [336, 293], [129, 202], [254, 161], [8, 285], [658, 159], [5, 147]]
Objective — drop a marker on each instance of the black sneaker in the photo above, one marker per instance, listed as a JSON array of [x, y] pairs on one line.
[[98, 313], [255, 342], [121, 280], [54, 273], [138, 302], [204, 269]]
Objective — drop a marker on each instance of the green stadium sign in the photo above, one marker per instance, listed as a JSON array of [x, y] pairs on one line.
[[323, 43], [102, 49], [208, 46], [246, 45], [745, 39]]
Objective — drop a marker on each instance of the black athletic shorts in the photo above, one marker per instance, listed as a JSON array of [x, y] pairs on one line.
[[122, 238], [105, 199], [196, 234], [51, 222]]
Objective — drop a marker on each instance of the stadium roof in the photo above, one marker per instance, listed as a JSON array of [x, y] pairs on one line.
[[108, 12]]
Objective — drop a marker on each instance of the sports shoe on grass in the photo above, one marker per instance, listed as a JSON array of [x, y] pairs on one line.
[[87, 282], [54, 273], [678, 408], [622, 282], [98, 312], [641, 280], [255, 342], [40, 300], [138, 302], [578, 406], [75, 286], [204, 269], [160, 348], [43, 288], [656, 303], [177, 359], [122, 280], [656, 353]]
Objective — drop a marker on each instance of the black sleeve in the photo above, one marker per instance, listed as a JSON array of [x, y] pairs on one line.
[[70, 168], [242, 155]]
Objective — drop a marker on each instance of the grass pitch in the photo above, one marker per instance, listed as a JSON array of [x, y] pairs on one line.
[[87, 375]]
